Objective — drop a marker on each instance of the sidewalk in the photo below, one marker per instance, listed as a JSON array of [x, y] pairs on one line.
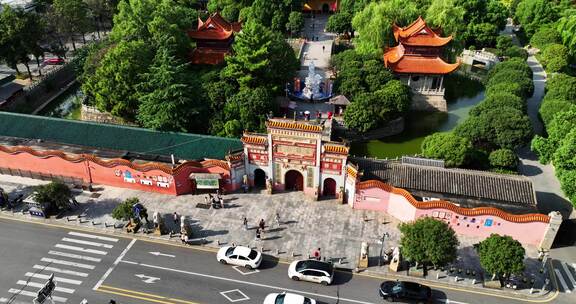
[[305, 225]]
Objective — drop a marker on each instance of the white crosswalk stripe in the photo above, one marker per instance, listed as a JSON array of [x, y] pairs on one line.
[[91, 236], [67, 263], [75, 256], [40, 285], [75, 248], [569, 274], [83, 242], [57, 279], [33, 294], [58, 270], [562, 282]]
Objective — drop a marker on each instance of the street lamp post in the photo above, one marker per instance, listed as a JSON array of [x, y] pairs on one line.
[[385, 235]]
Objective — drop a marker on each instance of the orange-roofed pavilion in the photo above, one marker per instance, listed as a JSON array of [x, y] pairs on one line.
[[417, 60], [214, 38]]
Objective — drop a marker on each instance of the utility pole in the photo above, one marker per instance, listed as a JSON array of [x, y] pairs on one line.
[[385, 235]]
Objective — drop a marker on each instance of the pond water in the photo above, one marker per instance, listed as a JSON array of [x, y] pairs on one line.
[[461, 94], [67, 105]]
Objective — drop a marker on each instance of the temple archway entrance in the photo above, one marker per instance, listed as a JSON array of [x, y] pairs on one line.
[[259, 178], [325, 8], [293, 180], [329, 187]]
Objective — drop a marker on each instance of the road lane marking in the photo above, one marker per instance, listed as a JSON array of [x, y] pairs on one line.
[[247, 272], [64, 271], [253, 284], [120, 257], [95, 244], [92, 236], [57, 279], [448, 301], [33, 294], [40, 285], [243, 298], [68, 263], [75, 248], [569, 274], [562, 282], [75, 256], [141, 295]]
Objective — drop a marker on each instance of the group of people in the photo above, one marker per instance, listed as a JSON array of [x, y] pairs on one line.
[[215, 201], [261, 226]]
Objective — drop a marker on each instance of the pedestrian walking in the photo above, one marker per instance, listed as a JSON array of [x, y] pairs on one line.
[[245, 223], [278, 219], [323, 48], [176, 219], [258, 234], [262, 224], [317, 254]]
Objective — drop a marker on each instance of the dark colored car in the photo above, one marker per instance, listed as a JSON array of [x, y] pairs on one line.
[[405, 291]]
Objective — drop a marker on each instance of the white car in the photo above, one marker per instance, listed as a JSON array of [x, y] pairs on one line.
[[312, 271], [287, 298], [240, 256]]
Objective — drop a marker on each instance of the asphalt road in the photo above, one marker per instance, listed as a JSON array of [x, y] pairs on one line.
[[100, 267]]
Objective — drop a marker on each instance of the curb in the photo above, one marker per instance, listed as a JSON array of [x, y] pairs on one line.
[[543, 298]]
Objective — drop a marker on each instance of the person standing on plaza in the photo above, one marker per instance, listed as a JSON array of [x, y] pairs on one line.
[[278, 218], [262, 224], [245, 223], [258, 234], [323, 48], [316, 254]]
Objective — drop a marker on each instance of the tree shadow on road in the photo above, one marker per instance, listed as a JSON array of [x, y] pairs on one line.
[[268, 262], [547, 202], [566, 236], [342, 276]]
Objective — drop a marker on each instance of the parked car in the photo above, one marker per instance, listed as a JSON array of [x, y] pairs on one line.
[[405, 291], [240, 256], [54, 61], [312, 271], [287, 298]]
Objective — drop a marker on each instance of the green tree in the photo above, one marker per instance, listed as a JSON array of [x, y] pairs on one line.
[[496, 101], [375, 75], [503, 159], [131, 21], [73, 16], [56, 194], [249, 107], [501, 255], [361, 114], [20, 34], [515, 64], [566, 26], [503, 43], [167, 102], [542, 147], [392, 100], [544, 36], [260, 57], [428, 241], [550, 107], [451, 148], [484, 19], [558, 129], [374, 23], [554, 57], [125, 211], [516, 52], [526, 85], [565, 155], [532, 14], [503, 127], [567, 180], [484, 34], [114, 86], [340, 23], [447, 15], [295, 22], [507, 87], [561, 86]]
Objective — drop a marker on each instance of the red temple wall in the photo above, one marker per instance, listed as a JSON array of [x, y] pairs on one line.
[[46, 165], [119, 176]]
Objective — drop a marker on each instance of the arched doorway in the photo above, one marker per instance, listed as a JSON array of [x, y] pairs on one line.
[[293, 180], [329, 187], [325, 8], [259, 178]]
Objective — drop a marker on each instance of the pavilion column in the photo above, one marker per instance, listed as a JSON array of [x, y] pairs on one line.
[[441, 82], [409, 77]]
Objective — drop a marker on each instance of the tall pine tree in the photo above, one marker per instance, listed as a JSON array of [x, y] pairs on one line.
[[168, 101]]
